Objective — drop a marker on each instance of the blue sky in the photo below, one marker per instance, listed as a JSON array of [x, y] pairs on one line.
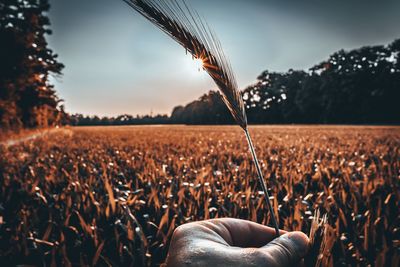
[[119, 63]]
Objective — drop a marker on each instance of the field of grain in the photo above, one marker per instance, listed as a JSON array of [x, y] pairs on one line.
[[113, 196]]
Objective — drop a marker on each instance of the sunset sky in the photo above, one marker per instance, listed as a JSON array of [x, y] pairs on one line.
[[119, 63]]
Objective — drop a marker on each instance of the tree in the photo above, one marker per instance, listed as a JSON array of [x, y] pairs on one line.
[[358, 87], [27, 99], [209, 109]]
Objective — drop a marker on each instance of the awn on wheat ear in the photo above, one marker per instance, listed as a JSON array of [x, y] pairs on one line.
[[185, 26]]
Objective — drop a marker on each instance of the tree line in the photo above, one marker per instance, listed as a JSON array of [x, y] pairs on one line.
[[27, 98], [361, 86], [126, 119]]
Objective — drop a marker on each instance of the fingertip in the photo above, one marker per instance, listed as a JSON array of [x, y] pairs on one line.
[[301, 242], [287, 250]]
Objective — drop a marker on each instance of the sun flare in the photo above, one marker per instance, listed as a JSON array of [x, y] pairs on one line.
[[199, 63]]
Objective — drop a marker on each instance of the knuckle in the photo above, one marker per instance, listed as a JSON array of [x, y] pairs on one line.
[[180, 231]]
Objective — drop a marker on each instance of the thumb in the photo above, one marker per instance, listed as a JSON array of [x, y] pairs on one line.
[[287, 250]]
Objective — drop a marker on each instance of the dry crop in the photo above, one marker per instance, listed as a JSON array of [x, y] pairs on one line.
[[113, 196]]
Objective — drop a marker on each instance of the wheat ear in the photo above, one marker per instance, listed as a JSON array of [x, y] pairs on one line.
[[185, 26]]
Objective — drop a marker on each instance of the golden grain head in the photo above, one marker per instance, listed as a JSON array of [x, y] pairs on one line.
[[185, 26]]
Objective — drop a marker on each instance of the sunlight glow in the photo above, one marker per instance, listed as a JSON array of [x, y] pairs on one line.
[[193, 68], [199, 64]]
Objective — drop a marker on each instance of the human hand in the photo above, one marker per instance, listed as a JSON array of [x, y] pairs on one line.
[[233, 242]]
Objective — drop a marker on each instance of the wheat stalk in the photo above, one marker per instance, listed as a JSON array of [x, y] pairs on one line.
[[186, 27], [322, 239]]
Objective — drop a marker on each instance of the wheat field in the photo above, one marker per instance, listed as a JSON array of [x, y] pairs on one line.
[[113, 196]]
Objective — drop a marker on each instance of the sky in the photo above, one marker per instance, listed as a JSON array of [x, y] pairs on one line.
[[119, 63]]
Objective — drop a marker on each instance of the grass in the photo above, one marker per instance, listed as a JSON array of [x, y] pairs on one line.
[[113, 196]]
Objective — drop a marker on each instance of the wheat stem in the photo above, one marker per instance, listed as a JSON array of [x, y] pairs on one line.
[[262, 182], [184, 25]]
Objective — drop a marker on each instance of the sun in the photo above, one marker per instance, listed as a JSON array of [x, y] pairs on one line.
[[199, 63], [194, 66]]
